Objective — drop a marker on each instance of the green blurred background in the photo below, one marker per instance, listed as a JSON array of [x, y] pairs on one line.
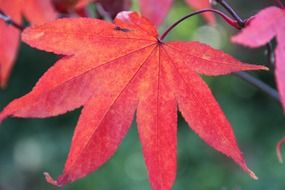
[[29, 147]]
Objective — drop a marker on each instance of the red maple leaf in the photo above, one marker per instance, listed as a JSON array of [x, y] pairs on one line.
[[116, 69], [266, 25], [156, 10]]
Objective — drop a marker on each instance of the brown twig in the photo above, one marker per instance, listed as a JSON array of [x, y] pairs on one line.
[[259, 84]]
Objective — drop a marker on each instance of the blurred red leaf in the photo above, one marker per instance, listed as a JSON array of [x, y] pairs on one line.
[[36, 12], [266, 25], [156, 10], [116, 69], [9, 40]]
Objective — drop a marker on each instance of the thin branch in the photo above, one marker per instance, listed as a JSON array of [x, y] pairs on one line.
[[9, 21], [259, 85], [230, 21]]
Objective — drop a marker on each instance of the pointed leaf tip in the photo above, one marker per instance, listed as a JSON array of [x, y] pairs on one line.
[[249, 171], [50, 180], [278, 150], [252, 174], [265, 68], [260, 67]]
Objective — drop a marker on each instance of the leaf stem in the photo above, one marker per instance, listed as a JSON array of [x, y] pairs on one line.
[[9, 21], [225, 17]]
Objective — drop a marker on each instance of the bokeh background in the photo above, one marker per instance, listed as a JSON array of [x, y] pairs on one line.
[[29, 147]]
